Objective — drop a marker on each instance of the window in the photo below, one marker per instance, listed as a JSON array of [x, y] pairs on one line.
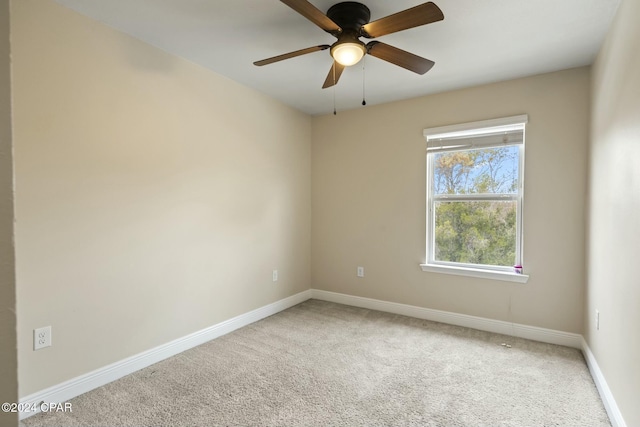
[[474, 198]]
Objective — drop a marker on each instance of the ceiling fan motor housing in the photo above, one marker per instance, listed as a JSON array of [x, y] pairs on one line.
[[349, 15]]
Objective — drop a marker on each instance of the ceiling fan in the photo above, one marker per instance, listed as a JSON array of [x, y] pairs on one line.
[[348, 21]]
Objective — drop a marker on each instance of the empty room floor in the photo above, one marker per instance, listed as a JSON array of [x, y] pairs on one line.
[[321, 363]]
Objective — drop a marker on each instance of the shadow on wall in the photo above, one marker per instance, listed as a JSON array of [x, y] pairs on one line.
[[146, 59]]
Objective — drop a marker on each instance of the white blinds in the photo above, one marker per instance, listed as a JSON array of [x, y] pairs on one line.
[[484, 134]]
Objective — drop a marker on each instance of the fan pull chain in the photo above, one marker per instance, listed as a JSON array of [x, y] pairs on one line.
[[363, 80], [334, 88]]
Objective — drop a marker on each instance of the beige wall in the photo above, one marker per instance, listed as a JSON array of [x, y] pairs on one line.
[[153, 197], [368, 201], [8, 350], [614, 227]]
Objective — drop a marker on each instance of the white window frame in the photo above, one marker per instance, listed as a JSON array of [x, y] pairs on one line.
[[486, 133]]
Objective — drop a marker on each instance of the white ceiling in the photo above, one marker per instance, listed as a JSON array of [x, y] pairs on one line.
[[478, 42]]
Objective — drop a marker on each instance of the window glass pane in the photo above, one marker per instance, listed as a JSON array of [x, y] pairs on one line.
[[476, 232], [486, 170]]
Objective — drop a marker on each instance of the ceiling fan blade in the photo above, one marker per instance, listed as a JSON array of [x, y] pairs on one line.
[[291, 55], [399, 57], [313, 14], [334, 75], [414, 17]]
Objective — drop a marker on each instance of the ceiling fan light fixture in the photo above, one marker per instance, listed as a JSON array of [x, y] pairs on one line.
[[348, 21], [348, 53]]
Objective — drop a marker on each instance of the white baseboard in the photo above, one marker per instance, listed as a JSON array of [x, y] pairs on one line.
[[605, 393], [84, 383], [497, 326], [87, 382]]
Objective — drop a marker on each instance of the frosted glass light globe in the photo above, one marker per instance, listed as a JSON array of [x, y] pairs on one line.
[[347, 53]]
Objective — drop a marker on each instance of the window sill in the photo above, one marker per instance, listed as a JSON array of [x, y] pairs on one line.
[[473, 272]]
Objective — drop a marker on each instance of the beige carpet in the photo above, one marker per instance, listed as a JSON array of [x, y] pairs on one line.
[[324, 364]]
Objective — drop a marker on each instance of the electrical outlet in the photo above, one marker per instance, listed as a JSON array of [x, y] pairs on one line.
[[42, 338], [275, 275], [360, 272], [597, 320]]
